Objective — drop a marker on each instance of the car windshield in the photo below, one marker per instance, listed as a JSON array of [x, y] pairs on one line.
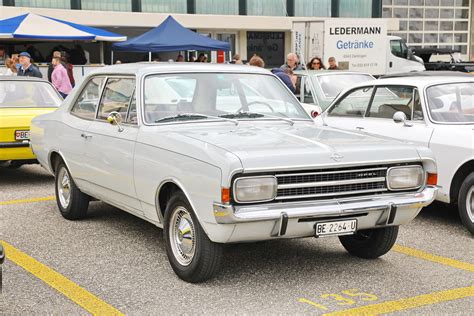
[[452, 103], [201, 96], [332, 84], [28, 94]]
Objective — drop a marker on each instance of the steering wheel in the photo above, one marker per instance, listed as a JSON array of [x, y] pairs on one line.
[[258, 102]]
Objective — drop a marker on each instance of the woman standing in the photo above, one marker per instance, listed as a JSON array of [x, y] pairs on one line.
[[11, 69], [315, 64], [59, 78]]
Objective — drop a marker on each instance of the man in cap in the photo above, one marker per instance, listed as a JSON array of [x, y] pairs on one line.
[[27, 69]]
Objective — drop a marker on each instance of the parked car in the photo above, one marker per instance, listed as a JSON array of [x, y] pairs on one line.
[[326, 85], [226, 164], [442, 59], [433, 111], [21, 99]]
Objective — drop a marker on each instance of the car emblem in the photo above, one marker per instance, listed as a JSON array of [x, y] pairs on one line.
[[336, 157]]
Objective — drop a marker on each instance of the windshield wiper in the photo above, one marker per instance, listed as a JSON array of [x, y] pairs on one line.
[[245, 114], [192, 116]]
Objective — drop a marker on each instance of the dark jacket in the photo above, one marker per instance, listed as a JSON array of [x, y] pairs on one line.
[[31, 71], [280, 73]]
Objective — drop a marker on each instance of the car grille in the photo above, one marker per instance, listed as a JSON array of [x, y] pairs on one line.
[[331, 183]]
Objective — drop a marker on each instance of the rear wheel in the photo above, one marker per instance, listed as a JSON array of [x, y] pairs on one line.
[[370, 243], [72, 203], [192, 255], [466, 203]]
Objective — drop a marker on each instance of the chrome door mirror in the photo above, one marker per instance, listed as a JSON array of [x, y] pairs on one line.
[[400, 117], [115, 118]]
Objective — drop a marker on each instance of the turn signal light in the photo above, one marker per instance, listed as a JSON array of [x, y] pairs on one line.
[[432, 179], [225, 195]]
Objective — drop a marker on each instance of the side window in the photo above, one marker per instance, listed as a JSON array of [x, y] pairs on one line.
[[417, 108], [399, 48], [86, 104], [390, 99], [132, 111], [116, 97], [353, 104]]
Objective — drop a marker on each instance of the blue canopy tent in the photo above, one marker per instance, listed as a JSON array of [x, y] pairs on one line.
[[170, 36], [33, 27]]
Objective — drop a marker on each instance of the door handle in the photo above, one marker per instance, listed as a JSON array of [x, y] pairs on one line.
[[86, 136], [359, 128]]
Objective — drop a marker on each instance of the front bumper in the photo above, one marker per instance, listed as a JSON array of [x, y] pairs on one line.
[[297, 219]]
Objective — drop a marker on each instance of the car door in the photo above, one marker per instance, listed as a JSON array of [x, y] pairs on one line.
[[72, 132], [110, 146], [371, 111], [386, 101]]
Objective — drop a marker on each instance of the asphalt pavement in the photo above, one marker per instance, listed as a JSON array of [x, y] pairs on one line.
[[115, 260]]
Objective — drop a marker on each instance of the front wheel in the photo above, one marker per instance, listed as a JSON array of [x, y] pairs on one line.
[[72, 203], [466, 203], [192, 255], [370, 243]]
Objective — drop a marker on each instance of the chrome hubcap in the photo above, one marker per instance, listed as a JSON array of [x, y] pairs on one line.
[[64, 187], [470, 204], [182, 236]]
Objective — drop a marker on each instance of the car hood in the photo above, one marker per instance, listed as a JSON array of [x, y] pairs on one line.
[[302, 145], [20, 117]]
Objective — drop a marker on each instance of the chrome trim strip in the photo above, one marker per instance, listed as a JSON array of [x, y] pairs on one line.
[[330, 172], [328, 183], [289, 197]]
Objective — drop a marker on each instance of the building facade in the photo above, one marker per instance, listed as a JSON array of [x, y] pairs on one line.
[[433, 23]]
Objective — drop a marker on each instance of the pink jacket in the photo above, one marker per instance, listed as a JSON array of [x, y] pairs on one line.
[[60, 79]]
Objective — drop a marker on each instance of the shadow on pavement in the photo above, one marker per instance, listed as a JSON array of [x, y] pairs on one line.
[[24, 175]]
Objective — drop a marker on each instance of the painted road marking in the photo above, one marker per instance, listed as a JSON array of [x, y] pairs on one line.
[[71, 290], [433, 258], [408, 303], [33, 200]]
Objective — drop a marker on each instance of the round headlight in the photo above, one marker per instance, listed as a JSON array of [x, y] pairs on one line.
[[405, 178], [255, 189]]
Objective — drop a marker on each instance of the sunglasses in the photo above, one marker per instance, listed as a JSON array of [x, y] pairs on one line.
[[316, 63]]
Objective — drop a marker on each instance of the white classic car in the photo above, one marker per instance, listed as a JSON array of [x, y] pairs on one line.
[[425, 109], [224, 154]]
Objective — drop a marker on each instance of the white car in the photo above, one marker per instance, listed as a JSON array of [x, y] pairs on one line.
[[224, 163], [425, 109]]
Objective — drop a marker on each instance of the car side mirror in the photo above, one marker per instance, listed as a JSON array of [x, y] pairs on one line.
[[115, 118], [400, 117]]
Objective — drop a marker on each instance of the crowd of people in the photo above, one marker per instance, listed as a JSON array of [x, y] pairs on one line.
[[60, 70]]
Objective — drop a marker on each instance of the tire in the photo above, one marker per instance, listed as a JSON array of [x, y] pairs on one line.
[[466, 202], [72, 203], [192, 255], [371, 243]]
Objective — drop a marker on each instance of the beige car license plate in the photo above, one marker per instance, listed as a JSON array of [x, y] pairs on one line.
[[22, 135], [336, 228]]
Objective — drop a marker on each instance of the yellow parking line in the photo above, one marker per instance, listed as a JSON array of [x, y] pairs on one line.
[[48, 198], [433, 258], [408, 303], [71, 290]]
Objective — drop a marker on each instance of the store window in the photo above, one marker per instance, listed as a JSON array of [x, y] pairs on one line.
[[355, 8], [57, 4], [386, 12], [266, 7], [400, 2], [461, 14], [416, 38], [224, 7], [107, 5], [268, 45], [431, 2], [164, 6], [431, 13], [446, 38], [461, 26], [447, 13], [416, 13], [447, 3], [387, 2], [431, 25], [446, 26], [400, 13], [403, 25], [462, 3], [416, 2], [312, 7], [416, 26], [431, 38]]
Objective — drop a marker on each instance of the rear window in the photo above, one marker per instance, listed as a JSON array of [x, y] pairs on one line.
[[28, 94]]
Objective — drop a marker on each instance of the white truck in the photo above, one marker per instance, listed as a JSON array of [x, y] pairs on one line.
[[357, 44]]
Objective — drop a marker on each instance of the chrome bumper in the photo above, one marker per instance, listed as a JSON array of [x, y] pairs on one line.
[[228, 214]]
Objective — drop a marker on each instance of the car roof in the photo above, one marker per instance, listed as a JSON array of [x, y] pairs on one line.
[[419, 82], [22, 78], [147, 67], [428, 73], [328, 72]]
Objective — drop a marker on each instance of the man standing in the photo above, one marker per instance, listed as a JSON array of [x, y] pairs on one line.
[[59, 77], [332, 64], [51, 66], [27, 69], [292, 63]]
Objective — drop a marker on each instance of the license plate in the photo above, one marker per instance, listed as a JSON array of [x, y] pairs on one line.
[[335, 228], [22, 135]]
